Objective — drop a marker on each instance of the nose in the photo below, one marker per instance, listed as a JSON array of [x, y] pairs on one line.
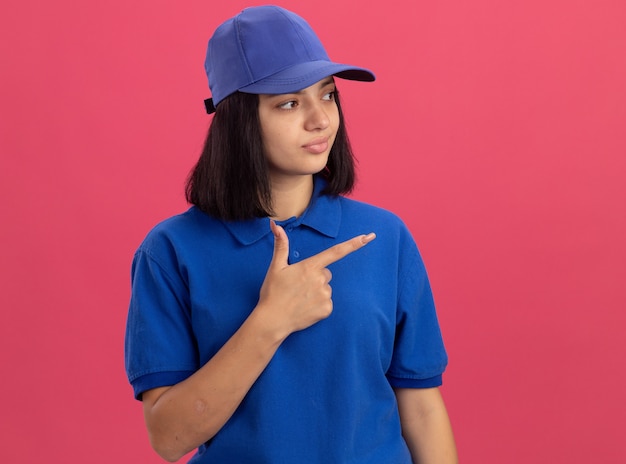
[[317, 117]]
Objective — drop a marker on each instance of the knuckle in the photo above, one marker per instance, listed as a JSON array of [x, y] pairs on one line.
[[355, 243], [327, 308]]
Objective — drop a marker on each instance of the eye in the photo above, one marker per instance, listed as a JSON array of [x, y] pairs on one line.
[[329, 96], [288, 105]]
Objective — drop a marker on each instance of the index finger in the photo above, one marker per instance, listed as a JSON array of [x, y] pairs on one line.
[[341, 250]]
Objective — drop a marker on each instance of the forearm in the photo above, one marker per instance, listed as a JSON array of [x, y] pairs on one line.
[[182, 417], [426, 426]]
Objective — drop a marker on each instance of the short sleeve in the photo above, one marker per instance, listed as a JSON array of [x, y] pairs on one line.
[[160, 347], [419, 357]]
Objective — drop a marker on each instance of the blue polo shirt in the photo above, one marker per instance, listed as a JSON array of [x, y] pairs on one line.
[[326, 396]]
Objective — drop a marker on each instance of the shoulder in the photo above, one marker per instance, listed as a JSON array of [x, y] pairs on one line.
[[189, 222], [393, 237], [177, 231], [361, 214], [352, 206]]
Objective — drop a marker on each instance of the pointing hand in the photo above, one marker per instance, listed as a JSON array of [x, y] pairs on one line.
[[299, 295]]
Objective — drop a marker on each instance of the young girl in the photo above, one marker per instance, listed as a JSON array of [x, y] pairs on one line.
[[237, 341]]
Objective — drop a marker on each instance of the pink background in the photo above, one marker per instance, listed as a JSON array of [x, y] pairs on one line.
[[496, 129]]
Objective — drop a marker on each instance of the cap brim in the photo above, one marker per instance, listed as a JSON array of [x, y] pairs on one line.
[[299, 77], [303, 75]]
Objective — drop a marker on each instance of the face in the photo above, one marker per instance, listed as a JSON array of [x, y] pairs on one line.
[[299, 129]]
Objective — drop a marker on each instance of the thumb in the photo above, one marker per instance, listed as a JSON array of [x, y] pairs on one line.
[[281, 247]]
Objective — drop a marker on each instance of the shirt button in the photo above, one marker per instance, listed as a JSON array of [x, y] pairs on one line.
[[296, 254]]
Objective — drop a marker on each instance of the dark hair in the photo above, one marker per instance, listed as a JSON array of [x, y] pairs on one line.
[[231, 180]]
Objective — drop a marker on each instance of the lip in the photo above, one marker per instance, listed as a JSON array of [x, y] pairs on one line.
[[317, 145]]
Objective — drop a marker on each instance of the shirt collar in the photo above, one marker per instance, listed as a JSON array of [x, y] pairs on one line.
[[323, 215]]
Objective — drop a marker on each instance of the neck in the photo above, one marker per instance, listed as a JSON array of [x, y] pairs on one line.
[[290, 197]]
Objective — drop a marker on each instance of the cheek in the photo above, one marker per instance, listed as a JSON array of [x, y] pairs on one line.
[[334, 119], [276, 143], [272, 139], [268, 135], [335, 125]]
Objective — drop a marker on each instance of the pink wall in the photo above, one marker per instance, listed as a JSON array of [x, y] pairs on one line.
[[495, 129]]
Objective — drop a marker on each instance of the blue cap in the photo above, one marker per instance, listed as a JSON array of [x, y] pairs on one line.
[[269, 50]]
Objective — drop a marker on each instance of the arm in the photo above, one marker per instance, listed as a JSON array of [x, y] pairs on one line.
[[425, 426], [293, 297], [182, 417]]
